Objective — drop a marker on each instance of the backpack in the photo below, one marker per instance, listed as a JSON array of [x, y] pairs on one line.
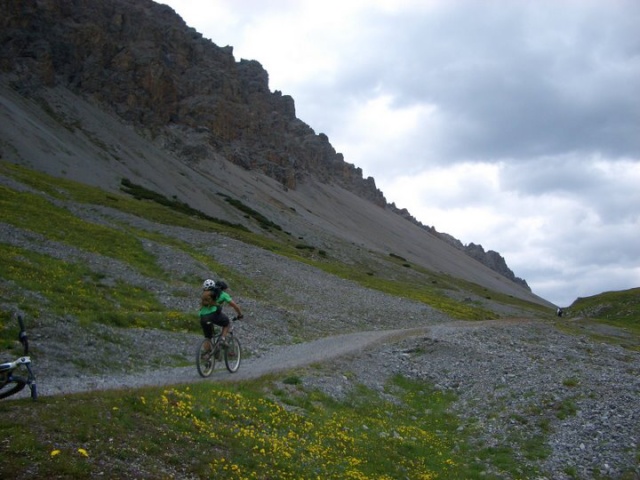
[[210, 297]]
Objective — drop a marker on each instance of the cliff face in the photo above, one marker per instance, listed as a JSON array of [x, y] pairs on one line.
[[138, 60]]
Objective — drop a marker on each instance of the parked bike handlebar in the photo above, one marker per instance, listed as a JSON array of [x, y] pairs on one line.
[[22, 336]]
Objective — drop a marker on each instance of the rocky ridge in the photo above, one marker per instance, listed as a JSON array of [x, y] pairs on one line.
[[140, 60]]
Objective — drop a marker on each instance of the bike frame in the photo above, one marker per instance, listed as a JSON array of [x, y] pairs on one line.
[[10, 366]]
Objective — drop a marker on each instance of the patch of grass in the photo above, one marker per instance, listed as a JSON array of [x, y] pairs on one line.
[[571, 382], [66, 288], [33, 212], [571, 471], [292, 380], [69, 190], [501, 456], [234, 431], [544, 424], [251, 213], [536, 447], [141, 193], [565, 408]]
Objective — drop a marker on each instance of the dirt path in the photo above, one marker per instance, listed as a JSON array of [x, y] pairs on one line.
[[284, 358], [278, 360]]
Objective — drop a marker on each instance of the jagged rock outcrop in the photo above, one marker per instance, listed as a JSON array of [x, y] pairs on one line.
[[490, 258], [139, 60]]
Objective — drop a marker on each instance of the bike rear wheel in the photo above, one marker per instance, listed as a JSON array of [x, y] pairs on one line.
[[205, 358], [233, 354]]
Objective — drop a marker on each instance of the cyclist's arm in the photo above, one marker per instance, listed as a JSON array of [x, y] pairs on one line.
[[235, 306]]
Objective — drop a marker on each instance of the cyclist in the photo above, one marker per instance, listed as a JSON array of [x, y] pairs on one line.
[[214, 297]]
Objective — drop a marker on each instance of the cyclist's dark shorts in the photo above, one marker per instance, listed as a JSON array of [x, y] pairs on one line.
[[207, 322]]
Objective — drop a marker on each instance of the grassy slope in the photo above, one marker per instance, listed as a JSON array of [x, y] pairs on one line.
[[621, 309], [275, 427], [612, 317], [44, 213]]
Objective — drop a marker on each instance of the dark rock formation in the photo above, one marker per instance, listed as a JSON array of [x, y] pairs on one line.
[[140, 60], [490, 258]]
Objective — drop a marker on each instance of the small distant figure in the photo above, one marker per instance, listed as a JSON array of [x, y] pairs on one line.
[[559, 312]]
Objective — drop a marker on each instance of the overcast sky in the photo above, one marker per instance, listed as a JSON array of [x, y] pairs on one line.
[[512, 124]]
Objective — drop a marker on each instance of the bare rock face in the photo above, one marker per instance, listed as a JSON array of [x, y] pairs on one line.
[[140, 60], [494, 261]]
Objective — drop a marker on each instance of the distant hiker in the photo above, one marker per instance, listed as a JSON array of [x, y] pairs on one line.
[[559, 312], [214, 297]]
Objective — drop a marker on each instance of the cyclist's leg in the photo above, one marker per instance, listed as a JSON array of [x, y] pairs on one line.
[[206, 322], [222, 321]]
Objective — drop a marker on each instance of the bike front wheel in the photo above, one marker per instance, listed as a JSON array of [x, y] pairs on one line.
[[205, 358], [13, 386], [233, 354]]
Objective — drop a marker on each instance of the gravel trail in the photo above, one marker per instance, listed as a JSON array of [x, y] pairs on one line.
[[281, 359]]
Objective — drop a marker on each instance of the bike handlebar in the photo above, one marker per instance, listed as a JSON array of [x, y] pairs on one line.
[[22, 336]]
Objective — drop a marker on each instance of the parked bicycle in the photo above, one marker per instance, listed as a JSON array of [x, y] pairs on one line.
[[10, 382], [212, 350]]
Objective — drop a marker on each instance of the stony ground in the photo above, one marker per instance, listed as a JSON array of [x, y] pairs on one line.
[[516, 379]]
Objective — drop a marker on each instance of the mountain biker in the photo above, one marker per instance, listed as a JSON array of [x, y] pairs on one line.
[[214, 297]]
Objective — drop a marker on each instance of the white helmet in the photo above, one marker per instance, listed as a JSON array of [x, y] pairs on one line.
[[208, 284]]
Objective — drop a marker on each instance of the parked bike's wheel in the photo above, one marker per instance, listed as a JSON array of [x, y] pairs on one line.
[[233, 354], [205, 359], [13, 386]]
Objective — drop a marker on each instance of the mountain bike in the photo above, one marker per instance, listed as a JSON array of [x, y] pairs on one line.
[[10, 383], [211, 350]]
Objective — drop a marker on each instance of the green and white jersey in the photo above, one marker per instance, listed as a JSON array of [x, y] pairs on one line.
[[222, 299]]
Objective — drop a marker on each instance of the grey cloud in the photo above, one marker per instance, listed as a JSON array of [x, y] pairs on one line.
[[556, 175], [607, 195], [507, 86]]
